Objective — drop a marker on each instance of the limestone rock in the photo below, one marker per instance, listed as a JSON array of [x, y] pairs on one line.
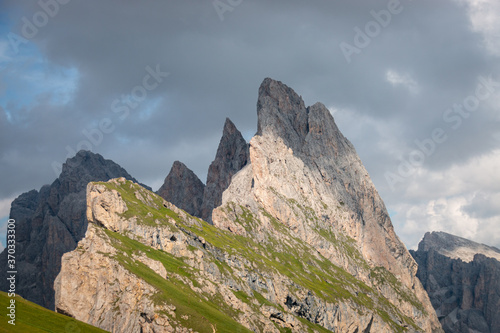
[[95, 288], [160, 271], [232, 155], [183, 188], [455, 247], [50, 223], [464, 291], [307, 176]]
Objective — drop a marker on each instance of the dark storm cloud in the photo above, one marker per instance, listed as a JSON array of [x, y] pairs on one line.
[[215, 68]]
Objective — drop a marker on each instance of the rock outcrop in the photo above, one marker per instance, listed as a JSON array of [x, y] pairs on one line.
[[50, 222], [232, 155], [462, 279], [183, 188]]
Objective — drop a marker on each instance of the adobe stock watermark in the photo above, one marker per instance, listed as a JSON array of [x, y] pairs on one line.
[[11, 270], [120, 107], [372, 29], [223, 6], [31, 26], [454, 117]]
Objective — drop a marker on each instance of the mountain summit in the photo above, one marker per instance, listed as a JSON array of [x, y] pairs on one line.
[[183, 188], [51, 222], [456, 247]]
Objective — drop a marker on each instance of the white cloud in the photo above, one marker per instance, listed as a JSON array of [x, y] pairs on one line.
[[449, 201], [5, 206], [485, 18], [405, 80], [4, 216]]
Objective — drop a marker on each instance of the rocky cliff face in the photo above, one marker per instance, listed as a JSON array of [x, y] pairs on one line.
[[50, 222], [301, 241], [183, 188], [145, 265], [307, 175], [232, 155], [462, 279]]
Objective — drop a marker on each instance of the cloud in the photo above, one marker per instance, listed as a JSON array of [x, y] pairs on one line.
[[450, 201], [62, 83], [483, 205], [4, 216], [405, 80], [485, 18]]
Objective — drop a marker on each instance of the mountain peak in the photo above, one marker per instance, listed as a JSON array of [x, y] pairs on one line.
[[183, 188], [229, 127], [277, 89], [306, 177], [52, 221], [456, 247], [232, 155], [87, 166], [308, 130], [82, 159], [281, 111]]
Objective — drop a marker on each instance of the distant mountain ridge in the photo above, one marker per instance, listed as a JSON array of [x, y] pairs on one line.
[[51, 222], [462, 279], [456, 247]]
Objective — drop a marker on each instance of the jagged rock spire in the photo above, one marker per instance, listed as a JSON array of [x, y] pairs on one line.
[[232, 155], [281, 111], [310, 130], [183, 188]]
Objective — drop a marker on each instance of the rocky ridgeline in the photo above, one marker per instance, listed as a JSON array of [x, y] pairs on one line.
[[462, 279], [145, 265], [51, 222], [296, 238], [300, 237]]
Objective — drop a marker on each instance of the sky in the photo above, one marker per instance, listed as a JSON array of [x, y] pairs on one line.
[[414, 85]]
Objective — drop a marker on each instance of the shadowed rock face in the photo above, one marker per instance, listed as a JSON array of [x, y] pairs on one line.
[[183, 188], [462, 280], [50, 222], [232, 155]]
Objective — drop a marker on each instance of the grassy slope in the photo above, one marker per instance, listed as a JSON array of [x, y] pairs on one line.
[[293, 258], [31, 317]]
